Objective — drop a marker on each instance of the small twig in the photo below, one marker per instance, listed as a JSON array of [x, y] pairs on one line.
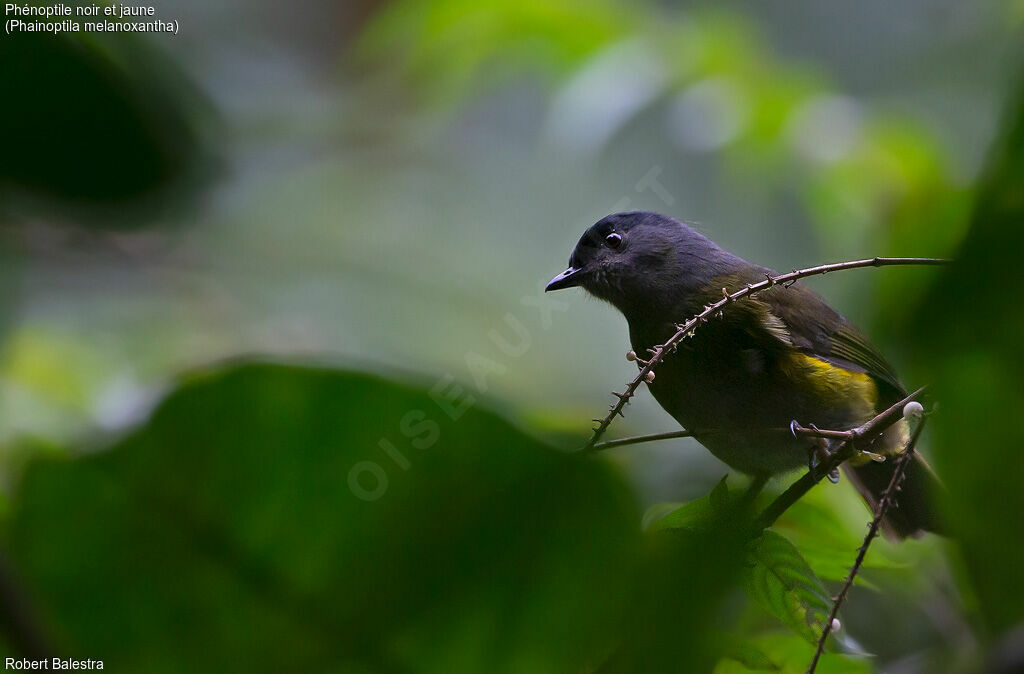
[[684, 329], [794, 429], [843, 451], [637, 439], [885, 501], [814, 432]]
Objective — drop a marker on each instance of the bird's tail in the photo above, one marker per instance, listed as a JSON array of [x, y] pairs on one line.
[[914, 511]]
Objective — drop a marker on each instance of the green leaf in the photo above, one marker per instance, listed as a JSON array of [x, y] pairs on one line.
[[699, 513], [271, 518], [827, 543], [692, 515], [791, 655], [657, 511], [720, 495], [778, 579], [747, 654]]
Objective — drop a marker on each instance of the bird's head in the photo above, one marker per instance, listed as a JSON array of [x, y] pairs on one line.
[[642, 261]]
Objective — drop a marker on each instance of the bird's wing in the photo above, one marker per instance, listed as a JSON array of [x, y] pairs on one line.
[[817, 329], [797, 317], [849, 344]]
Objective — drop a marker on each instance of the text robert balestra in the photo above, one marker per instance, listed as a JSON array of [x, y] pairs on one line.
[[54, 664]]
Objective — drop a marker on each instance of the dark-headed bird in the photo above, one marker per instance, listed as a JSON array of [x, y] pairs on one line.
[[779, 356]]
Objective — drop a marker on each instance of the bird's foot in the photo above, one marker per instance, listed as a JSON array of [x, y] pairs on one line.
[[817, 453]]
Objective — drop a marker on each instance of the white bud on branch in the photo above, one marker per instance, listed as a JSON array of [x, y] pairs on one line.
[[913, 411]]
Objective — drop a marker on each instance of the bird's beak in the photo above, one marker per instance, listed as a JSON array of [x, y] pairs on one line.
[[567, 279]]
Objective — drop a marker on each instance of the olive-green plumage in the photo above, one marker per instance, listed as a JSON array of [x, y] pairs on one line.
[[779, 356]]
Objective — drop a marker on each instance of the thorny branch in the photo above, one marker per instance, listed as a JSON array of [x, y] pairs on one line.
[[885, 501], [858, 438], [658, 353]]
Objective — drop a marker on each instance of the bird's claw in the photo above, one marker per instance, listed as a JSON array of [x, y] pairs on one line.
[[817, 453]]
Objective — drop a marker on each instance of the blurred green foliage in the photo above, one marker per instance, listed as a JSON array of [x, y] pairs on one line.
[[354, 231], [968, 332], [237, 530], [865, 174], [224, 535], [222, 532], [444, 46], [241, 527], [98, 122]]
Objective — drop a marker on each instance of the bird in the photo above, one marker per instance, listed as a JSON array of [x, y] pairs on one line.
[[770, 359]]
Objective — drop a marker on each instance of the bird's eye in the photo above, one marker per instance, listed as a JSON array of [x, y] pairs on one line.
[[613, 240]]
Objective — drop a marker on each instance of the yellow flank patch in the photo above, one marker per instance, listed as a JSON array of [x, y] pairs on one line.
[[832, 384]]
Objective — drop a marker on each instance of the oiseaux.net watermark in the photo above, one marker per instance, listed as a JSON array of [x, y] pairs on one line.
[[419, 429]]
